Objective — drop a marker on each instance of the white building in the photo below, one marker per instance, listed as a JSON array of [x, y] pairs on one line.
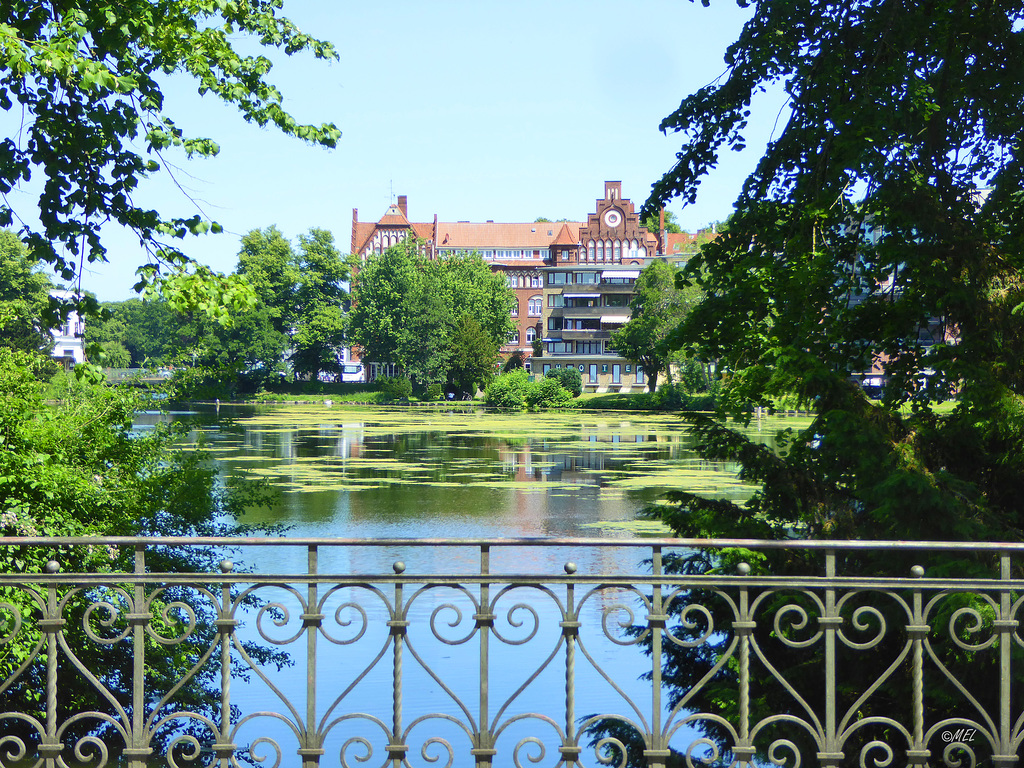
[[68, 341]]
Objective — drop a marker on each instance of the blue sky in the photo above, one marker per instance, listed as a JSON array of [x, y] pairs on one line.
[[475, 110]]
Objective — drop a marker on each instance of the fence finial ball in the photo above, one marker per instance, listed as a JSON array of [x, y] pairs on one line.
[[570, 567], [743, 569], [917, 571], [226, 566], [52, 566], [399, 566]]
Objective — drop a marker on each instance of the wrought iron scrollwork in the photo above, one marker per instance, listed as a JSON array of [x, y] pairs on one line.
[[410, 667]]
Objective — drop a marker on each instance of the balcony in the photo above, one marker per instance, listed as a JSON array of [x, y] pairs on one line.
[[585, 335], [465, 652]]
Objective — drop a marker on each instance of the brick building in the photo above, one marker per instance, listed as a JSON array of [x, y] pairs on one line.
[[573, 280], [516, 250]]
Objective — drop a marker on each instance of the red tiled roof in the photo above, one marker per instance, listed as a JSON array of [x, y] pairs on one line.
[[566, 237], [492, 235]]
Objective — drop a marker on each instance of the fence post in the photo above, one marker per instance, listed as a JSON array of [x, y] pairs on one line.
[[570, 625], [657, 752], [51, 624], [138, 750], [311, 748], [832, 754], [397, 625], [1006, 627], [226, 624], [743, 626], [917, 631], [483, 750]]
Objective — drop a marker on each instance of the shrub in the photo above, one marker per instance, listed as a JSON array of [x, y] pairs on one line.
[[395, 387], [433, 392], [507, 390], [547, 393], [570, 378]]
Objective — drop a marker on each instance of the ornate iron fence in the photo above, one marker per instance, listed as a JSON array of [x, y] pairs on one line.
[[476, 653]]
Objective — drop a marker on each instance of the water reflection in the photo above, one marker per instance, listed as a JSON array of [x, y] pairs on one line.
[[379, 472]]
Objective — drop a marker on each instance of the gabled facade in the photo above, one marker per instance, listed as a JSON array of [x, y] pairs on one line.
[[587, 291]]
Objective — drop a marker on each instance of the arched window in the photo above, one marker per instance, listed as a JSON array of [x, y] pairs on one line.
[[600, 251], [535, 306], [531, 334], [618, 251], [590, 251], [522, 281], [515, 310]]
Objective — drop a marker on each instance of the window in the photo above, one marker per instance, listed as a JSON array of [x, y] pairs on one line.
[[515, 310], [588, 347], [535, 281], [590, 251], [557, 278], [560, 347], [531, 335], [511, 281], [639, 375], [535, 306], [554, 323], [514, 338], [616, 374], [556, 300], [618, 251], [600, 251], [587, 278]]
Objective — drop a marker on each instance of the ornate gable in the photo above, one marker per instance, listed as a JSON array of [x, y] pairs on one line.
[[613, 233]]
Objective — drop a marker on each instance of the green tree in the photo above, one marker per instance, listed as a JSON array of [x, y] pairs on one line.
[[474, 357], [652, 222], [115, 355], [74, 467], [319, 328], [86, 77], [408, 309], [383, 290], [24, 297], [268, 263], [146, 328], [657, 307], [883, 224]]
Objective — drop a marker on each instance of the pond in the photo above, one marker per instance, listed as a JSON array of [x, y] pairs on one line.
[[413, 472], [378, 473]]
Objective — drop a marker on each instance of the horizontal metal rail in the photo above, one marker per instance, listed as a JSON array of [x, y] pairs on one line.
[[626, 652]]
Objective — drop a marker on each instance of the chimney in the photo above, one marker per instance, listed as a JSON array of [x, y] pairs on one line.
[[355, 220], [403, 205], [661, 230]]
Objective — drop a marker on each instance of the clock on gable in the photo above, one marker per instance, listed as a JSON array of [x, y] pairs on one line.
[[612, 218]]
